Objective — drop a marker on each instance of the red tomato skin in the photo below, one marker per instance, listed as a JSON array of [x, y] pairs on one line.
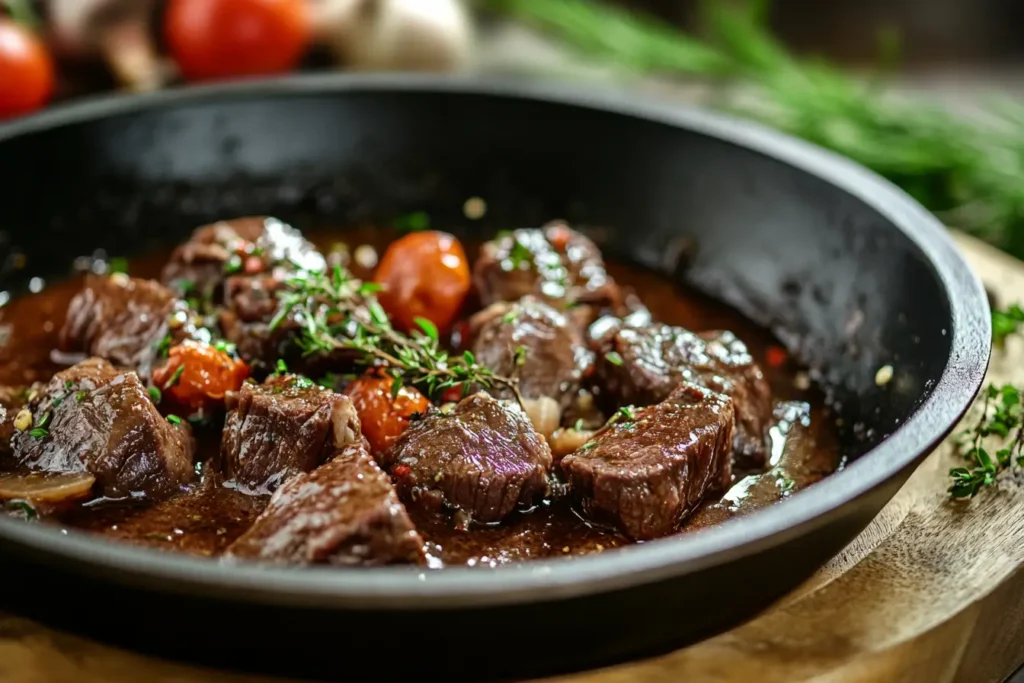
[[383, 418], [207, 376], [424, 275], [221, 39], [26, 71]]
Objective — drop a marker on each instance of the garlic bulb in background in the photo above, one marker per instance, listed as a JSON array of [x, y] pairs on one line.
[[398, 35]]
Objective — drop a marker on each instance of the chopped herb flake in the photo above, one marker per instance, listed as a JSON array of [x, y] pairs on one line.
[[175, 378], [429, 328], [117, 265], [38, 432], [614, 358], [174, 419], [413, 222], [155, 394]]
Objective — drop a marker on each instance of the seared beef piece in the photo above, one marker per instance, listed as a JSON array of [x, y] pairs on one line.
[[556, 358], [282, 427], [554, 262], [345, 512], [12, 399], [641, 365], [646, 474], [94, 418], [124, 320], [252, 244], [483, 458]]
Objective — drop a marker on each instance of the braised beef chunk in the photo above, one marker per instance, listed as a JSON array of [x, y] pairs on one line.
[[124, 320], [483, 458], [553, 358], [641, 365], [554, 262], [94, 418], [250, 245], [648, 471], [282, 427], [344, 512]]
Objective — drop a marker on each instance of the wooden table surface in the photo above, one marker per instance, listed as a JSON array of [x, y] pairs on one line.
[[931, 592]]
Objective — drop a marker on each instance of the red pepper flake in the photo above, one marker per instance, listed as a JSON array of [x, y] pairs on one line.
[[400, 470], [775, 356], [452, 394], [253, 265]]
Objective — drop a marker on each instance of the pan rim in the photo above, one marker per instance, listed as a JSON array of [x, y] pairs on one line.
[[402, 588]]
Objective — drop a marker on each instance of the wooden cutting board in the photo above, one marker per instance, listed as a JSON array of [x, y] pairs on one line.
[[931, 592]]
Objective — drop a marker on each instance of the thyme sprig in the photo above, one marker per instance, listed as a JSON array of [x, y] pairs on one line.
[[1000, 417], [336, 311]]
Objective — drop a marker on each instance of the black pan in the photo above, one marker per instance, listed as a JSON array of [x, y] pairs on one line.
[[848, 270]]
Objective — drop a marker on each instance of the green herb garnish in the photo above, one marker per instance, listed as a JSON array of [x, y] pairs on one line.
[[233, 264], [175, 378], [155, 394], [413, 222], [614, 358], [174, 419], [1005, 323], [23, 507], [38, 432], [117, 265], [1000, 417]]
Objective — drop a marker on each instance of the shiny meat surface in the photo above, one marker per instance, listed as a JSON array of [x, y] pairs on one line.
[[554, 358], [94, 418], [641, 365], [345, 512], [282, 427], [483, 458], [649, 470]]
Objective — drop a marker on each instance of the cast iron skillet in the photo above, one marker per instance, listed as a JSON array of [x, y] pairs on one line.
[[849, 271]]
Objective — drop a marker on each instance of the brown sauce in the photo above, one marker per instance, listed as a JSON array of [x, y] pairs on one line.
[[207, 517]]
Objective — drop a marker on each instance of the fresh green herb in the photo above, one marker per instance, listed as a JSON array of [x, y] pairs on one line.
[[1005, 323], [57, 401], [38, 432], [396, 387], [22, 12], [280, 369], [334, 311], [163, 346], [1000, 417], [233, 264], [368, 288], [301, 382], [624, 416], [510, 317], [968, 174], [784, 483], [22, 507], [117, 265], [175, 378], [44, 419], [614, 358], [225, 347], [413, 222], [174, 419], [429, 328], [155, 394], [68, 384], [578, 425], [518, 356], [80, 396], [519, 254]]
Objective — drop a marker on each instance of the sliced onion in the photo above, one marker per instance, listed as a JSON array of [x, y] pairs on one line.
[[566, 441], [544, 413], [46, 488]]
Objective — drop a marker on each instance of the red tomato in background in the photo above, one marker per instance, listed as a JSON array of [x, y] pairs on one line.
[[217, 39], [424, 275], [383, 418], [26, 71]]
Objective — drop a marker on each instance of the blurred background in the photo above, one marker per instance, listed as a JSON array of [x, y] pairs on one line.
[[924, 92]]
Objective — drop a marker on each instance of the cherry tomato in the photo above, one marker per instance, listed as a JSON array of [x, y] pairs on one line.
[[197, 375], [26, 71], [216, 39], [424, 275], [382, 417]]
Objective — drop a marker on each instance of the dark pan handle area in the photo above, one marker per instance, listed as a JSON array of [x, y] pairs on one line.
[[846, 269]]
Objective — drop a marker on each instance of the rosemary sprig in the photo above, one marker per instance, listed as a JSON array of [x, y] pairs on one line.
[[1000, 417], [1005, 323], [968, 174], [337, 311]]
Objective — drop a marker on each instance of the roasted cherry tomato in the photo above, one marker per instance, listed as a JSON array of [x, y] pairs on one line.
[[197, 375], [424, 275], [26, 71], [216, 39], [382, 417]]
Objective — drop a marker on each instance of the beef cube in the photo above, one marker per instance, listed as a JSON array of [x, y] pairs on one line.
[[483, 458], [124, 320], [555, 263], [344, 512], [648, 472], [641, 365], [250, 245], [282, 427], [12, 399], [94, 418], [553, 346]]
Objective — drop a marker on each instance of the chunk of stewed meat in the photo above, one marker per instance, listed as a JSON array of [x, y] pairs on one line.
[[95, 418], [344, 512], [648, 471], [12, 399], [641, 365], [250, 245], [483, 458], [282, 427], [555, 263], [125, 320], [535, 342]]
